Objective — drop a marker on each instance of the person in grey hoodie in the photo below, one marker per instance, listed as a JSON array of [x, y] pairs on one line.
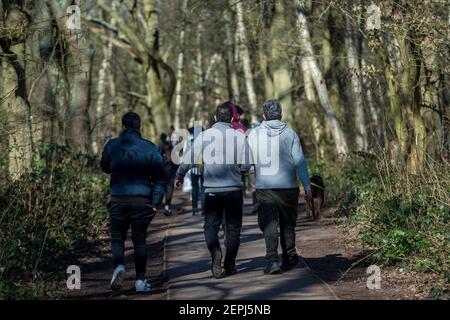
[[221, 151], [279, 162]]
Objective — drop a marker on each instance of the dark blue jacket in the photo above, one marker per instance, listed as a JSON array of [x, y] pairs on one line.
[[135, 165]]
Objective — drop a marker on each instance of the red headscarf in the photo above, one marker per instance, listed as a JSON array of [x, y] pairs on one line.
[[235, 119]]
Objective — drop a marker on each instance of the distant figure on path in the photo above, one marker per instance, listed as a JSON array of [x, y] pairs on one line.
[[136, 187], [223, 186], [277, 190], [198, 190], [170, 169]]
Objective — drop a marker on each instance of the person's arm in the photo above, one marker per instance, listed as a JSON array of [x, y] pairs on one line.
[[105, 162], [302, 167], [190, 158], [157, 178]]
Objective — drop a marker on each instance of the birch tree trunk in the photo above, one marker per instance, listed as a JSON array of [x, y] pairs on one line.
[[312, 101], [78, 76], [368, 95], [356, 89], [100, 132], [232, 78], [319, 82], [198, 77], [268, 11], [19, 118], [19, 132], [180, 61], [244, 53]]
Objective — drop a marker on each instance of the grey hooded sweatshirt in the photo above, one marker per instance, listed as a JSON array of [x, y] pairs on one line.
[[278, 156], [221, 152]]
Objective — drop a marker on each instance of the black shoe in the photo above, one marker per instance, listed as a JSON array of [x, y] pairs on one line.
[[167, 212], [216, 265], [273, 268], [229, 272], [289, 263]]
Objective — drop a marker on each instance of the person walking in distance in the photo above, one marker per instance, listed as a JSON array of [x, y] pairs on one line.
[[136, 187], [170, 169], [277, 189], [221, 150]]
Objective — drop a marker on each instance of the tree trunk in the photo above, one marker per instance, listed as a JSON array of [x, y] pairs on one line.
[[79, 69], [244, 53], [356, 89], [18, 123], [319, 82], [368, 95], [312, 102], [180, 61]]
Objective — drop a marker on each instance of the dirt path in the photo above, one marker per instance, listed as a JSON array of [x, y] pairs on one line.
[[179, 264], [189, 276]]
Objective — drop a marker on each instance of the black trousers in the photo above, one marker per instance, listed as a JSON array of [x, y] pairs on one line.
[[122, 215], [278, 208], [216, 206], [197, 191]]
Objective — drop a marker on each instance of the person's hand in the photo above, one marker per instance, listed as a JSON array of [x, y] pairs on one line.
[[178, 183], [308, 196]]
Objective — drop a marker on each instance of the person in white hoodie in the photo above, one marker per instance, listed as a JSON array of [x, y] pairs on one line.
[[279, 162]]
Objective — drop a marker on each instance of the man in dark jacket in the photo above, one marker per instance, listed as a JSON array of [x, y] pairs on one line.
[[136, 187]]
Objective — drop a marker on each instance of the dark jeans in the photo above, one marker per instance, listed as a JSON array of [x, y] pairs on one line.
[[278, 207], [216, 204], [138, 214], [197, 191]]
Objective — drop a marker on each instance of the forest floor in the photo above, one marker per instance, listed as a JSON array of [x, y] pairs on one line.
[[178, 265]]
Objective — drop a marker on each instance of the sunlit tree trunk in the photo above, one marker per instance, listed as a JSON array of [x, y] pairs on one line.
[[245, 56], [319, 82], [19, 131], [312, 102], [102, 122], [368, 95], [15, 99], [180, 62], [356, 89], [232, 78], [78, 67], [268, 11]]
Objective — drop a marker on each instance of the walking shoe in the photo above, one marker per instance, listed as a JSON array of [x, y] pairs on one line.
[[118, 277], [273, 268], [142, 286], [216, 265], [229, 272], [167, 212], [289, 263]]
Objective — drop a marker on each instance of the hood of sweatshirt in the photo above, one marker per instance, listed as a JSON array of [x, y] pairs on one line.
[[273, 127]]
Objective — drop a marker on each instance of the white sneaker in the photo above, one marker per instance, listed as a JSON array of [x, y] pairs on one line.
[[118, 277], [142, 286]]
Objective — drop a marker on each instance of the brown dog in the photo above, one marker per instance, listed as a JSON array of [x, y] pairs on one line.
[[318, 196]]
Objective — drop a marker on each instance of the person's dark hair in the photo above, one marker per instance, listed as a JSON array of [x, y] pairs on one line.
[[131, 121], [163, 136], [272, 110], [223, 112], [239, 110]]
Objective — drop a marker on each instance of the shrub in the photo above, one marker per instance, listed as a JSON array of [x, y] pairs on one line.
[[46, 216], [402, 217]]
